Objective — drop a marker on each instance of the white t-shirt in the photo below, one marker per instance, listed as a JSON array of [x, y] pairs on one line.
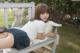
[[34, 27]]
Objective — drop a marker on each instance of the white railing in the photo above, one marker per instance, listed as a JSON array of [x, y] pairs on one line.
[[75, 0], [6, 6]]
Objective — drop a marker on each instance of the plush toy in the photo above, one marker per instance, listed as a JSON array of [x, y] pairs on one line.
[[50, 25]]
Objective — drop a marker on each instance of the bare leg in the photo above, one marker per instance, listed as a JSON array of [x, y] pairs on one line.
[[3, 35], [7, 42]]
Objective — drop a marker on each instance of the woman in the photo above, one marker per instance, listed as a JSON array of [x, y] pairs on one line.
[[34, 29]]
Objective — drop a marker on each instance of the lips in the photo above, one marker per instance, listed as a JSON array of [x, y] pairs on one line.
[[44, 18]]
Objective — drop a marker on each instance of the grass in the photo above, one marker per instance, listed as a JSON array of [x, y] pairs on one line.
[[10, 18], [69, 39], [1, 19]]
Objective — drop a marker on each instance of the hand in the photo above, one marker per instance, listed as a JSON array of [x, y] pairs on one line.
[[51, 34], [40, 36]]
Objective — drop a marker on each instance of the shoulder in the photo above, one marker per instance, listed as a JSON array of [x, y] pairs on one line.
[[39, 22], [53, 23], [50, 22]]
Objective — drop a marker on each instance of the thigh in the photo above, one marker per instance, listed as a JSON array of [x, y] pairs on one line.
[[7, 42]]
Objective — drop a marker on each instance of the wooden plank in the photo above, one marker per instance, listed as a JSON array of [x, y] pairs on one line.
[[6, 6], [36, 46], [5, 18], [75, 0], [15, 5], [30, 48]]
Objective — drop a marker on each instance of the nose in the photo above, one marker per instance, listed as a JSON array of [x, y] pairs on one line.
[[46, 15]]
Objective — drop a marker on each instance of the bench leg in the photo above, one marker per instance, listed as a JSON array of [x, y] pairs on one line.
[[55, 44]]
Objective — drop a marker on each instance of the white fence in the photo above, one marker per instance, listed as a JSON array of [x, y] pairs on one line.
[[6, 6]]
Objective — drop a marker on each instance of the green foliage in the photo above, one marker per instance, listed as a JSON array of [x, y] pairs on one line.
[[58, 8], [69, 39], [10, 19], [25, 13]]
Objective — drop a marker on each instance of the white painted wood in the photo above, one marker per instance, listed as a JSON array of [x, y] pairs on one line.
[[54, 41], [37, 46], [31, 12], [75, 0], [18, 16], [5, 18], [32, 47], [15, 5], [5, 6]]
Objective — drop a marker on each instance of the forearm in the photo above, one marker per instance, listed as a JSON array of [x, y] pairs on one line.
[[40, 36], [51, 34], [43, 36]]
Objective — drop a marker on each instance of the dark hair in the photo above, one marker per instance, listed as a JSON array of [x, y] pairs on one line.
[[40, 9]]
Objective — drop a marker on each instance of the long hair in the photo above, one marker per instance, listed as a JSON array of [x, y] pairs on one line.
[[40, 9]]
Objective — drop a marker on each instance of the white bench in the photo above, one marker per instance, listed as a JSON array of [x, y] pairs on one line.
[[31, 11], [53, 41], [7, 6]]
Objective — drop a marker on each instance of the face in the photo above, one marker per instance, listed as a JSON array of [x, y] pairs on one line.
[[44, 16]]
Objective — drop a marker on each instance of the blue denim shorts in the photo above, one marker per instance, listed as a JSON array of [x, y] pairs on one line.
[[21, 40]]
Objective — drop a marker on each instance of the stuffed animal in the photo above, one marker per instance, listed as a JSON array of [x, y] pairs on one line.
[[50, 25]]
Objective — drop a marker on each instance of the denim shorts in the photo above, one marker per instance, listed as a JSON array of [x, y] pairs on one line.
[[21, 40]]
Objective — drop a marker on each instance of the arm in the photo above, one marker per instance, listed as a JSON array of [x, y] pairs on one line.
[[40, 30], [51, 34], [40, 36]]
